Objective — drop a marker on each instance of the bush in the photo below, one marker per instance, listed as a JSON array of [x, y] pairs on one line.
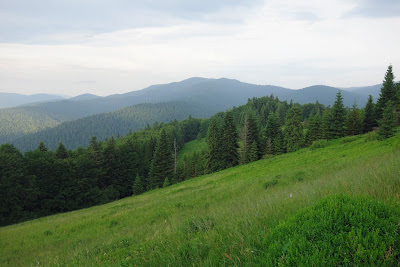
[[349, 139], [338, 231], [319, 144], [371, 136]]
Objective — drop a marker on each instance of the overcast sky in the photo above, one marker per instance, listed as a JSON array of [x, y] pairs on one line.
[[104, 47]]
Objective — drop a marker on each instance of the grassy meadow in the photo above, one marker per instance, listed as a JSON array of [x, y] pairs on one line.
[[213, 220]]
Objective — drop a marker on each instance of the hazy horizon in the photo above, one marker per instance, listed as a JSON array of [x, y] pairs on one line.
[[102, 48]]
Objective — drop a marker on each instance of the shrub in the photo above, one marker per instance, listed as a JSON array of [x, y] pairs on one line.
[[371, 136], [349, 139], [319, 144], [338, 231]]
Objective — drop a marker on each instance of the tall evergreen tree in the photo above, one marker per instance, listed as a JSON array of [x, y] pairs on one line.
[[162, 164], [388, 93], [230, 145], [250, 134], [293, 131], [354, 124], [139, 185], [387, 125], [61, 151], [369, 121], [214, 151], [338, 118], [325, 132]]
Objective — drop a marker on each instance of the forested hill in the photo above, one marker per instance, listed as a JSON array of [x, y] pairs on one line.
[[120, 122], [213, 95], [12, 99]]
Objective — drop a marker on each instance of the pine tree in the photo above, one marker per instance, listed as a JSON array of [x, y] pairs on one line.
[[354, 123], [388, 93], [293, 132], [279, 146], [253, 152], [61, 151], [338, 118], [214, 141], [369, 121], [162, 164], [250, 134], [387, 125], [230, 145], [166, 183], [42, 147], [138, 186], [325, 132]]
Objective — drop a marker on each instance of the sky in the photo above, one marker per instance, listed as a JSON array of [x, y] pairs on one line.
[[72, 47]]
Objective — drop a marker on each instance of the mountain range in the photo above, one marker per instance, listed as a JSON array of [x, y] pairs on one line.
[[200, 97]]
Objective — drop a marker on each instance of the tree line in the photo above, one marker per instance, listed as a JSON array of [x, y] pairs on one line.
[[41, 182]]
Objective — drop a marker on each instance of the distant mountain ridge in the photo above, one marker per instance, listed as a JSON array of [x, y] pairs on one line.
[[211, 95], [12, 99]]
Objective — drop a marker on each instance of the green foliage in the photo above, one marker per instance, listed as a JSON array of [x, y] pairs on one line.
[[78, 132], [339, 230], [139, 185], [354, 123], [369, 121], [250, 135], [166, 183], [150, 229], [319, 144], [198, 224], [162, 163], [214, 141], [229, 145], [338, 118], [388, 93], [293, 132], [387, 125]]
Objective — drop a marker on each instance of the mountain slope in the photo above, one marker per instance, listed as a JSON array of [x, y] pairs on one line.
[[78, 132], [218, 219], [213, 95], [12, 99]]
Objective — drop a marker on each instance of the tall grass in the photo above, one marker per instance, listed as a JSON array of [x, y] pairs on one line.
[[217, 219]]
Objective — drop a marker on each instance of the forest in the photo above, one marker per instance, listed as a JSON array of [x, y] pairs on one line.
[[41, 182]]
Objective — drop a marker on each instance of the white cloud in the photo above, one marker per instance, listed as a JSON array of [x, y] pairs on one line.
[[285, 43]]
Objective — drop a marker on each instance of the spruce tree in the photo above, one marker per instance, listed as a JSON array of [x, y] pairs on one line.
[[325, 132], [354, 123], [369, 121], [166, 183], [163, 163], [293, 132], [388, 93], [214, 141], [338, 118], [279, 146], [138, 186], [250, 134], [61, 151], [387, 125], [230, 145]]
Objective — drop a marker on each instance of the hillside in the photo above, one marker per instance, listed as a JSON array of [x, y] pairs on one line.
[[212, 95], [217, 219], [78, 132], [11, 99]]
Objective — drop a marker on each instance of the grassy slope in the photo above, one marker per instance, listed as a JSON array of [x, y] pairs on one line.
[[218, 219]]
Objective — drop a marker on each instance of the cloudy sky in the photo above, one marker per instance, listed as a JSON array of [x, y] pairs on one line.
[[104, 47]]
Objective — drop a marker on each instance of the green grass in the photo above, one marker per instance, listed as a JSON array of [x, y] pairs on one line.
[[213, 220], [190, 147]]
